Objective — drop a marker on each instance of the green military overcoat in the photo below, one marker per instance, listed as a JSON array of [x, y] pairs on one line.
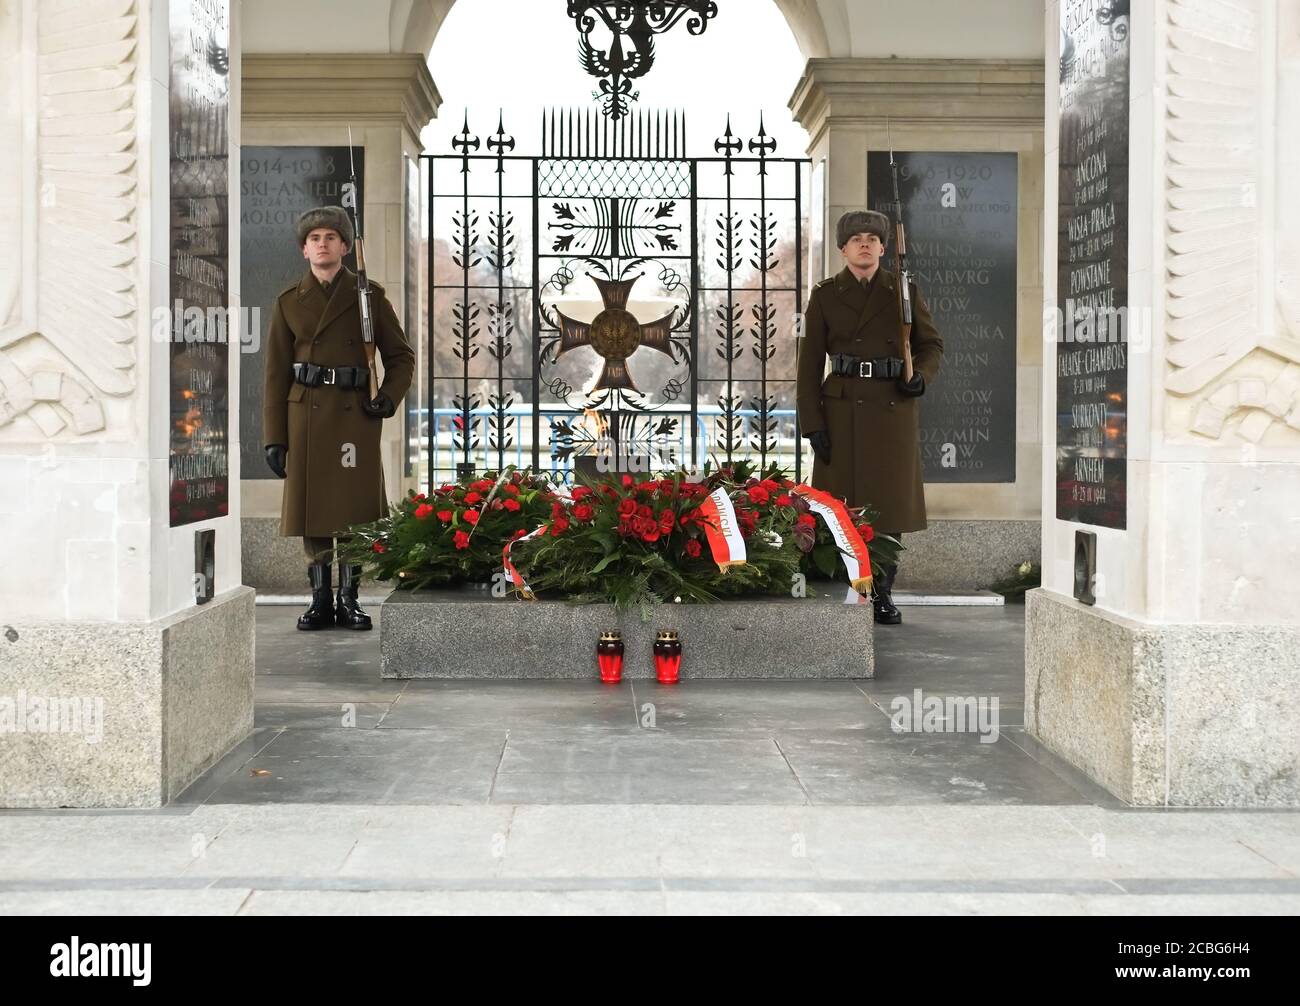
[[872, 424], [334, 472]]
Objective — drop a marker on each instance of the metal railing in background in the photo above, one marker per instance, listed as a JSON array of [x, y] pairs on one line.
[[438, 447]]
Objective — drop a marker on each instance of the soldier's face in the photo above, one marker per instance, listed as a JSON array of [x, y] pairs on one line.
[[324, 248], [863, 250]]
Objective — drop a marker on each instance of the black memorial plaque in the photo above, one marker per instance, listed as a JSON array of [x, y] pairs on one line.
[[1092, 265], [199, 291], [960, 215], [276, 185]]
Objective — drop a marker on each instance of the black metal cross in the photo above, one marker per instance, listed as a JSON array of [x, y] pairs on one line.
[[465, 141], [763, 145], [728, 145], [499, 143]]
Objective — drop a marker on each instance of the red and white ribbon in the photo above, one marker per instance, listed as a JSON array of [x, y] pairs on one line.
[[857, 560], [513, 576], [722, 529]]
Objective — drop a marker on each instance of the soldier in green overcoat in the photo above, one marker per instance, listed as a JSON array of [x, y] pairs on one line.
[[320, 426], [861, 418]]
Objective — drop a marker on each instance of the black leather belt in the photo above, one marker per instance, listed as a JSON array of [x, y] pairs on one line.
[[886, 368], [343, 377]]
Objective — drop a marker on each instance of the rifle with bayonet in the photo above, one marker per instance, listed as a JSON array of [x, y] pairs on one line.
[[351, 201], [902, 280]]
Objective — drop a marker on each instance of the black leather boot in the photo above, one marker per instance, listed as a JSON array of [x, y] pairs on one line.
[[321, 613], [348, 613], [881, 588]]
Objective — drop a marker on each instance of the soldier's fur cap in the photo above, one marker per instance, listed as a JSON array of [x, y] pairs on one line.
[[333, 217], [861, 222]]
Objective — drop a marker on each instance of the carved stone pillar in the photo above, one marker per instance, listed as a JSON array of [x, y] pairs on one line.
[[1178, 686], [117, 688]]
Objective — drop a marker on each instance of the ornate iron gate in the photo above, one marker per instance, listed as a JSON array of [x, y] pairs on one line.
[[701, 259]]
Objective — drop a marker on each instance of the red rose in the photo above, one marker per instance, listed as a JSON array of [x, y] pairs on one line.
[[470, 516], [557, 509], [583, 512], [419, 497], [650, 486], [867, 531], [511, 504], [644, 511], [510, 489], [757, 494], [472, 498], [666, 521], [581, 492], [769, 485], [627, 481], [783, 499], [693, 547], [423, 511], [806, 520], [461, 539], [443, 515], [378, 547], [482, 485], [651, 534], [626, 508], [519, 534], [558, 525]]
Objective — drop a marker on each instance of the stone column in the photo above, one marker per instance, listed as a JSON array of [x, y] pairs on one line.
[[1178, 687], [851, 106], [311, 99], [116, 687]]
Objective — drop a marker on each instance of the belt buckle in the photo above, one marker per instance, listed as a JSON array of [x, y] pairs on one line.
[[327, 375], [867, 365]]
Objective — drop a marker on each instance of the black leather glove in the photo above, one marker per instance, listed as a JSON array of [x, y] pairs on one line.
[[915, 389], [821, 445], [381, 407], [276, 454]]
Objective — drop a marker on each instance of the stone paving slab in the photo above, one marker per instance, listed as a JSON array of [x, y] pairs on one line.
[[731, 797]]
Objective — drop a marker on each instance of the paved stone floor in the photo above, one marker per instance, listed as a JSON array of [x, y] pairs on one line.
[[356, 795]]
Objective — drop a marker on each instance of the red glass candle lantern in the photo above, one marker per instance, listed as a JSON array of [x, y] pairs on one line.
[[609, 657], [668, 657]]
